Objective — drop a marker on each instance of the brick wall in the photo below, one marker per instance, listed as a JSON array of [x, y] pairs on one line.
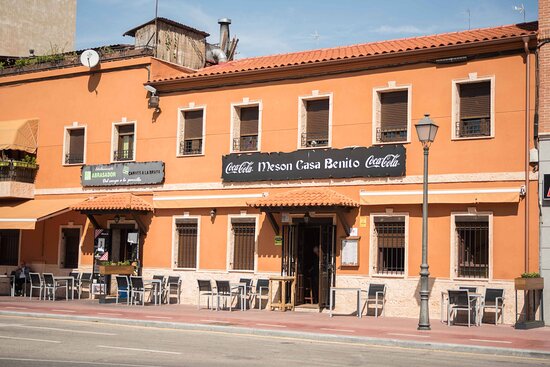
[[544, 67]]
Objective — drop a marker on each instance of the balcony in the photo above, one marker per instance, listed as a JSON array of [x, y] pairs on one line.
[[312, 140], [17, 179], [123, 155], [191, 146], [391, 135], [245, 143], [473, 127], [74, 158]]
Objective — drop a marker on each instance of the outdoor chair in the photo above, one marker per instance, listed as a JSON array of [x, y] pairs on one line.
[[494, 299], [261, 291], [122, 288], [225, 291], [376, 294], [162, 290], [173, 283], [138, 290], [460, 300], [76, 279], [36, 283], [50, 286], [246, 293], [205, 289], [84, 284]]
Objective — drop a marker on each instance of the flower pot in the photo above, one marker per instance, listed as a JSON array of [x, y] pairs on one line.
[[528, 284], [116, 269]]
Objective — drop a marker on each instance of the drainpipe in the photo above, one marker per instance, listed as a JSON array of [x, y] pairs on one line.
[[527, 133]]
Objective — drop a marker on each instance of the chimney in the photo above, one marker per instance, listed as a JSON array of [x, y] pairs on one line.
[[224, 34], [544, 67]]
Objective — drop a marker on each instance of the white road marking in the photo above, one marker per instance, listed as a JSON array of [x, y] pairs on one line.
[[109, 314], [16, 308], [272, 325], [491, 341], [344, 330], [72, 363], [138, 349], [413, 335], [29, 339], [158, 317], [62, 310], [65, 330]]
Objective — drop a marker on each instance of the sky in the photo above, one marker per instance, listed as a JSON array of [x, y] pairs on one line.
[[272, 27]]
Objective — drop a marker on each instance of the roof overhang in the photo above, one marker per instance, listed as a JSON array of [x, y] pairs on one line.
[[25, 215]]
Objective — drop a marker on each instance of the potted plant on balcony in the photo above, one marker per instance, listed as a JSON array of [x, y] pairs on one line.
[[27, 162], [529, 282], [113, 267]]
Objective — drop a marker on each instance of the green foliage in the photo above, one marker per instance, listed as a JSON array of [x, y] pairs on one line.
[[115, 263], [2, 65], [30, 159], [530, 275], [106, 50]]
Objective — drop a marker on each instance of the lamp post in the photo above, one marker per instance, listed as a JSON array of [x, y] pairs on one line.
[[426, 130]]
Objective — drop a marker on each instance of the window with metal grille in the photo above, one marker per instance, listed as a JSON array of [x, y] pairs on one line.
[[244, 239], [393, 116], [390, 245], [472, 238], [74, 146], [192, 132], [9, 247], [475, 109], [125, 143], [186, 234], [248, 129], [316, 132]]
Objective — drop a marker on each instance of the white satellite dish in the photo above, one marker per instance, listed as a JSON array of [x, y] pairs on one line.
[[89, 58]]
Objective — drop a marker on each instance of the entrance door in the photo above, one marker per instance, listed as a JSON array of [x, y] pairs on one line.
[[71, 242], [121, 249], [327, 263]]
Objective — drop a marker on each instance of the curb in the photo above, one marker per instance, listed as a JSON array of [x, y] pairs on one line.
[[499, 351]]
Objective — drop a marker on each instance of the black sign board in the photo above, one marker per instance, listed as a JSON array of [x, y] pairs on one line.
[[379, 161], [123, 174], [546, 187]]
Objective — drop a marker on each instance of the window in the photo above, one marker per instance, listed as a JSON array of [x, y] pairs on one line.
[[394, 120], [246, 129], [243, 232], [9, 247], [472, 243], [74, 145], [389, 238], [186, 243], [124, 139], [473, 115], [315, 131], [191, 132]]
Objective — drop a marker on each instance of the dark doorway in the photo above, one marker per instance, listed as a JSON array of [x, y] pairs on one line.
[[121, 249], [71, 242]]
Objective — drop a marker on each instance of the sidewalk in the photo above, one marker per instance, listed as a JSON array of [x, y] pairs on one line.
[[488, 338]]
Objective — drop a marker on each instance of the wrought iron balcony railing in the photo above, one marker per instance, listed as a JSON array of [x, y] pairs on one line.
[[310, 140], [191, 146], [245, 143], [123, 155], [17, 172], [390, 135], [473, 127], [74, 158]]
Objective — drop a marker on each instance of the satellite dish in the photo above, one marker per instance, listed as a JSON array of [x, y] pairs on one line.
[[89, 58]]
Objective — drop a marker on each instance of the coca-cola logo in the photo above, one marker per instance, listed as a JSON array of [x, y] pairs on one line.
[[390, 160], [244, 167]]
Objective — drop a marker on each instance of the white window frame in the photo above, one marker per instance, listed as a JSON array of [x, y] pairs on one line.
[[175, 247], [236, 123], [66, 141], [114, 139], [377, 111], [454, 245], [231, 243], [181, 129], [373, 248], [61, 247], [302, 123], [455, 114]]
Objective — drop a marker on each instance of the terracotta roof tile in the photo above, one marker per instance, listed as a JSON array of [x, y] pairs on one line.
[[305, 197], [119, 201], [363, 50]]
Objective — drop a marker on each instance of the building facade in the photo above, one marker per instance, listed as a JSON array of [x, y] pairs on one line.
[[304, 164]]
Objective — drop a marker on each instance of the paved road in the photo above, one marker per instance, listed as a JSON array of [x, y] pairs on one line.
[[45, 342]]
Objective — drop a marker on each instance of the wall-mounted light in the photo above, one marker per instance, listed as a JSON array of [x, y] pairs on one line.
[[306, 218], [212, 213], [117, 219], [153, 99]]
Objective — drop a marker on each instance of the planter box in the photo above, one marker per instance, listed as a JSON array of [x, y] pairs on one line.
[[116, 269], [529, 284]]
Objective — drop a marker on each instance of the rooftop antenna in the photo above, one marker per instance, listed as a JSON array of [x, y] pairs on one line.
[[315, 35], [521, 9], [469, 19]]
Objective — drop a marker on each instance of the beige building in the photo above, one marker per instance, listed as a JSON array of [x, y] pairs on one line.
[[45, 26]]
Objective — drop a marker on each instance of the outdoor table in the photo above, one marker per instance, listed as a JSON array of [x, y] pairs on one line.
[[12, 279], [242, 289], [281, 303], [333, 295], [67, 279], [157, 289]]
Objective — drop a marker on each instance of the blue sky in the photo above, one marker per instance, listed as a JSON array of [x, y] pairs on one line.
[[270, 27]]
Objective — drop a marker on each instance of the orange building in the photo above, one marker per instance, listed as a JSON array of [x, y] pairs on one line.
[[248, 168]]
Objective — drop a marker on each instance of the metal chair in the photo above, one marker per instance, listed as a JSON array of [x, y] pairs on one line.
[[162, 290], [50, 286], [205, 289], [494, 299], [122, 288], [260, 292], [173, 283], [76, 278], [246, 292], [84, 284], [36, 283], [138, 290], [459, 300], [377, 294], [225, 291]]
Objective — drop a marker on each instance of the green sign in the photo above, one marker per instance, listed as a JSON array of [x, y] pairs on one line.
[[123, 174], [278, 240]]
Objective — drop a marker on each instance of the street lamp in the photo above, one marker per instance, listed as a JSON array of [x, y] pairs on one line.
[[426, 130]]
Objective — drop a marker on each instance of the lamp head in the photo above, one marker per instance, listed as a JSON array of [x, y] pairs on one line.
[[426, 129]]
